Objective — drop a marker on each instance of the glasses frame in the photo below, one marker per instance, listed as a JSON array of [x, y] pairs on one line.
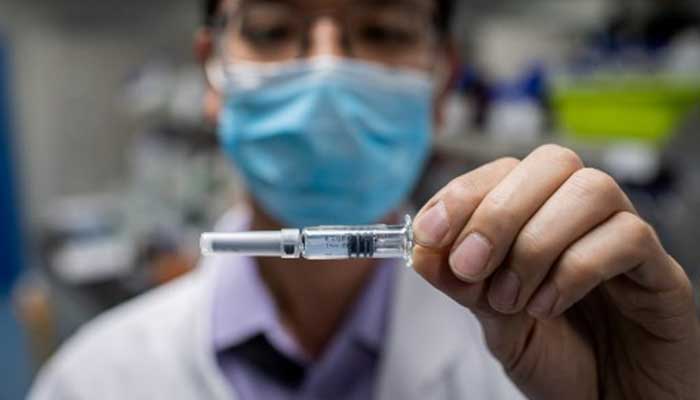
[[221, 26]]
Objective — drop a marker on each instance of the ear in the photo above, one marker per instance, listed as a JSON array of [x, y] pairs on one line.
[[204, 51], [203, 45], [446, 73]]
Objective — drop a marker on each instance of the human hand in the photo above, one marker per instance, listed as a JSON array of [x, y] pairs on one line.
[[575, 293]]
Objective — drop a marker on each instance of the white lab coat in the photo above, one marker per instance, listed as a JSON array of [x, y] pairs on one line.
[[159, 347]]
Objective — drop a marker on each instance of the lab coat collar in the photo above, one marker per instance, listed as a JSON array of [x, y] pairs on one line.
[[422, 340]]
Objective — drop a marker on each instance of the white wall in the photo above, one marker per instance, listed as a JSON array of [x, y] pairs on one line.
[[70, 60]]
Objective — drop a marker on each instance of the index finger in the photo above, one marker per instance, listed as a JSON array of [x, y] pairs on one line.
[[444, 216], [442, 219]]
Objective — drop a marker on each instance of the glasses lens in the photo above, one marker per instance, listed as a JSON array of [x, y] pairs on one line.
[[389, 33], [263, 32], [272, 32]]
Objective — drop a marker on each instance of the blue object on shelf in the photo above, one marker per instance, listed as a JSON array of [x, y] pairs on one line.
[[11, 246]]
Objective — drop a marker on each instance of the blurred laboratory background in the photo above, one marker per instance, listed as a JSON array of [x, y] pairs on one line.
[[108, 172]]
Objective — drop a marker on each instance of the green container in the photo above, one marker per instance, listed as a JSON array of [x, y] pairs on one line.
[[630, 108]]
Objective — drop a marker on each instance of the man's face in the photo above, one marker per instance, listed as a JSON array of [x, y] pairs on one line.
[[397, 33]]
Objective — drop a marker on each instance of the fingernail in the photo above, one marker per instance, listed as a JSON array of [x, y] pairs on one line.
[[432, 226], [504, 292], [543, 303], [470, 259]]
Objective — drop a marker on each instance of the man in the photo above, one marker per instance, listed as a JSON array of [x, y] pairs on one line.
[[558, 289]]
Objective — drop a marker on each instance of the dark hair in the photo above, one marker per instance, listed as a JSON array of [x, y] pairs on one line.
[[443, 16]]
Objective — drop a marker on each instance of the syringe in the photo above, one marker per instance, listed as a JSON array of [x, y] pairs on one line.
[[317, 243]]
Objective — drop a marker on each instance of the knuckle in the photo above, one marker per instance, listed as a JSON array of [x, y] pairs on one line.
[[549, 148], [562, 155], [639, 233], [463, 189], [581, 267], [508, 162], [529, 248], [595, 183], [495, 210], [686, 288]]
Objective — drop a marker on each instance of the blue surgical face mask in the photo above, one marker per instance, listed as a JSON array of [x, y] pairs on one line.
[[327, 140]]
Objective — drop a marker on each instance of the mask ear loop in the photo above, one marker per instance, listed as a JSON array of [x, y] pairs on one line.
[[215, 73]]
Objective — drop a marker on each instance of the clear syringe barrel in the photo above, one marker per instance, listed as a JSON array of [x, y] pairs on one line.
[[318, 243], [347, 242]]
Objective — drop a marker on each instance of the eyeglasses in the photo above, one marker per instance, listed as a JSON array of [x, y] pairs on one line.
[[272, 32]]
